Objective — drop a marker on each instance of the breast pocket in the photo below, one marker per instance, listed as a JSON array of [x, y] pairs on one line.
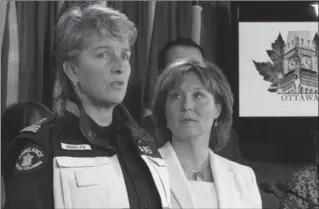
[[87, 182]]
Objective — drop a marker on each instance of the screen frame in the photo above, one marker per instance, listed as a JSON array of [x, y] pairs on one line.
[[246, 12]]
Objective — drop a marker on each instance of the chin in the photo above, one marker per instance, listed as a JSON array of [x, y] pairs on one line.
[[189, 135], [111, 101], [114, 98], [114, 101]]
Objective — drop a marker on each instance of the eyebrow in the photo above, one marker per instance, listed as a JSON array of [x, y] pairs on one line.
[[201, 88], [102, 47], [196, 88], [109, 47]]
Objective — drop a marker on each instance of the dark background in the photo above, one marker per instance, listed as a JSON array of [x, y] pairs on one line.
[[274, 147], [272, 139]]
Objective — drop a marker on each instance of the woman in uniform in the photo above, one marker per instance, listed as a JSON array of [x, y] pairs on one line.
[[93, 155]]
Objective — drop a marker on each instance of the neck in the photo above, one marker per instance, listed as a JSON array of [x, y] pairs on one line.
[[101, 115], [192, 154]]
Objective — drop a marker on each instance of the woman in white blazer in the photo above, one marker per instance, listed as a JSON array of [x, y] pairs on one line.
[[192, 101]]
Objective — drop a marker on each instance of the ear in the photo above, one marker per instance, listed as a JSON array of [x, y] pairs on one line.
[[70, 70], [218, 111]]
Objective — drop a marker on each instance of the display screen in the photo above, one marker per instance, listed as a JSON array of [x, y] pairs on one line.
[[278, 69]]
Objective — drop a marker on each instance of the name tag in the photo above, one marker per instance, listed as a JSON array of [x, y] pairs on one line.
[[75, 146]]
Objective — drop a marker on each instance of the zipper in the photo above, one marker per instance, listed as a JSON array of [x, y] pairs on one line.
[[121, 159]]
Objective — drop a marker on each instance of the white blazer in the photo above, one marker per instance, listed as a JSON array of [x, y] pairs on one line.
[[235, 184]]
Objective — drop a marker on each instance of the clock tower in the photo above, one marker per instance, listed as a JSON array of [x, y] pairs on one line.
[[300, 63], [299, 51]]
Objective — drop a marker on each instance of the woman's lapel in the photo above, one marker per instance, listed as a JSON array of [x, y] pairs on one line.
[[178, 182], [224, 182]]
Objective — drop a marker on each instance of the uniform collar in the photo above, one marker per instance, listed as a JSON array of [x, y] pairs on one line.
[[86, 125], [123, 123]]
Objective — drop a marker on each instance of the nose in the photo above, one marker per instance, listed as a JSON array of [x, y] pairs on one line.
[[186, 105], [118, 67]]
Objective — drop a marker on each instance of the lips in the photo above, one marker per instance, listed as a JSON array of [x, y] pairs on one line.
[[118, 84], [187, 120]]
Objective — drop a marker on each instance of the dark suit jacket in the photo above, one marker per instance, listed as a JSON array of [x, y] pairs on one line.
[[148, 125], [231, 151]]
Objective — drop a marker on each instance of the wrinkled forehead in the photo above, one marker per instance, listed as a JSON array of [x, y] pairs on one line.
[[183, 52], [97, 40]]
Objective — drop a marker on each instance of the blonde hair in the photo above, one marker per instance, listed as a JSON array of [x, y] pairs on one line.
[[215, 82], [73, 29]]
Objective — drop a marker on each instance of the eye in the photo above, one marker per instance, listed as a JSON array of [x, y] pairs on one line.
[[104, 55], [126, 56], [174, 96], [198, 95]]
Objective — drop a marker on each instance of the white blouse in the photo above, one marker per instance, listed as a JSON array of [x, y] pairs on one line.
[[204, 194]]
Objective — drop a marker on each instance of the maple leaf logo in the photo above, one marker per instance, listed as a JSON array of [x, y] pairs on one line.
[[273, 72]]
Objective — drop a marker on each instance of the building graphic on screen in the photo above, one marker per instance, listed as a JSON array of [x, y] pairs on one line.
[[294, 67]]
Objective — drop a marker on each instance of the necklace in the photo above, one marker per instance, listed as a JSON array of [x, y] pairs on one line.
[[199, 174]]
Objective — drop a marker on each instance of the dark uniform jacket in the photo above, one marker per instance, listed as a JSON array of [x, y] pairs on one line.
[[71, 162]]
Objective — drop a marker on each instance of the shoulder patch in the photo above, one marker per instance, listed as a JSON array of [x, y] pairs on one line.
[[34, 128], [31, 158]]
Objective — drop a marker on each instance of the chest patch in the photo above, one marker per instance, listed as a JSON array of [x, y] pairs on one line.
[[76, 146], [144, 148]]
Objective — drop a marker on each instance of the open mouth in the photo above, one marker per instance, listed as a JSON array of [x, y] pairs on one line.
[[118, 84]]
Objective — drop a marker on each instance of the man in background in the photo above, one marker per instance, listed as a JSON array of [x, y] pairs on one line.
[[183, 48]]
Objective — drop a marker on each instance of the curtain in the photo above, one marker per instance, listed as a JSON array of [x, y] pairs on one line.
[[172, 19], [216, 31], [137, 12], [36, 22], [217, 39], [4, 52], [9, 54]]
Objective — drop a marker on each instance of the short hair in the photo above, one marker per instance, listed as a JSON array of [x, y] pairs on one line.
[[215, 82], [77, 24], [187, 42]]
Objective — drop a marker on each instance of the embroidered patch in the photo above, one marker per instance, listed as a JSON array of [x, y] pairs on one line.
[[31, 158], [144, 148], [75, 146]]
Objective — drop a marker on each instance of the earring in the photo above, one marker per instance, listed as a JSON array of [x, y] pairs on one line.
[[215, 123], [75, 84]]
